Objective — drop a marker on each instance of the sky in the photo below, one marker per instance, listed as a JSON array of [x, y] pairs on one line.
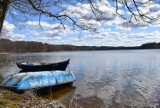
[[112, 32]]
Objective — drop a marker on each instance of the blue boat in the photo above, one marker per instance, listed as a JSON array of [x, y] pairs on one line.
[[36, 80]]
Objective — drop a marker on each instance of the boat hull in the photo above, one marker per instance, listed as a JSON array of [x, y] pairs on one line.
[[43, 67], [37, 80]]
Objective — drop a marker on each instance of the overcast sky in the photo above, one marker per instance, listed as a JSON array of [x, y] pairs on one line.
[[108, 33]]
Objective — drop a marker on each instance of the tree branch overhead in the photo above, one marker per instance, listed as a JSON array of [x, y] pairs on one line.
[[65, 11]]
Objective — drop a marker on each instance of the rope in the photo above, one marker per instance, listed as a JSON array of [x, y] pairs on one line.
[[68, 68], [1, 85]]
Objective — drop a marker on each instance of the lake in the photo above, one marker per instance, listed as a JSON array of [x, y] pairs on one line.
[[104, 79]]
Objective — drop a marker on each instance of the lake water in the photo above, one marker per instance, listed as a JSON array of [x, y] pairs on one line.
[[105, 79]]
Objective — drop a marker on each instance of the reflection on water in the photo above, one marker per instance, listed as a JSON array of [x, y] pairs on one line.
[[105, 79], [56, 92]]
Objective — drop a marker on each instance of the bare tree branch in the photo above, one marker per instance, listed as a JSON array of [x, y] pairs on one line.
[[58, 11], [53, 15]]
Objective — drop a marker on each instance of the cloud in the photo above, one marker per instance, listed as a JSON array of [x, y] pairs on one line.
[[8, 32], [90, 16], [49, 30], [149, 14], [34, 33], [87, 24], [100, 37], [45, 25], [107, 37], [123, 28], [47, 39], [51, 33], [7, 27], [110, 29]]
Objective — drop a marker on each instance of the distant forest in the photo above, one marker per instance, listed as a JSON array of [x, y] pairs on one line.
[[23, 47]]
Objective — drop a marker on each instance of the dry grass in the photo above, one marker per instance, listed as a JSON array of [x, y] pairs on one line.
[[9, 99]]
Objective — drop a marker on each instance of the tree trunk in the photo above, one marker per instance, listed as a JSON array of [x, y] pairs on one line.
[[4, 5]]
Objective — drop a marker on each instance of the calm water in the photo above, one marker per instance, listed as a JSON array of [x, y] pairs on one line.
[[105, 79]]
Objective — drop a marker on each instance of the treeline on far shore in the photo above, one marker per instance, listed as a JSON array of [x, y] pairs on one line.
[[22, 47]]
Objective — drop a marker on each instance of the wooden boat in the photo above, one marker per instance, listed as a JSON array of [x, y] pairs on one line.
[[27, 67], [37, 80]]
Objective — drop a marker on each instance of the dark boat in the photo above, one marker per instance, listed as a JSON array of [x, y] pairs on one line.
[[27, 67]]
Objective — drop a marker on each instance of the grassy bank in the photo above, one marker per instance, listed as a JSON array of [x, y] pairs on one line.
[[4, 53], [9, 99]]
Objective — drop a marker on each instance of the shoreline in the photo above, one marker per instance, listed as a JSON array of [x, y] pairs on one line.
[[5, 53], [79, 50], [10, 99]]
